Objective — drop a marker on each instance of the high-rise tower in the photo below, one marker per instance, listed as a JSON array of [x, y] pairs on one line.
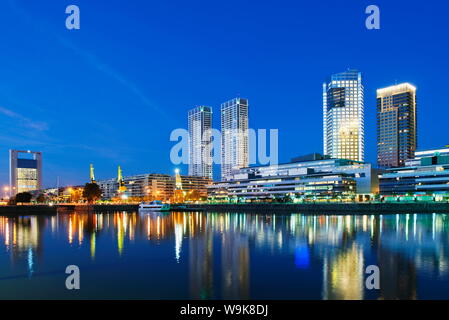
[[343, 116], [234, 136], [396, 125], [200, 142]]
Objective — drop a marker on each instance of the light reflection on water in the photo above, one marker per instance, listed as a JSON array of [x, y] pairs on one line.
[[225, 256]]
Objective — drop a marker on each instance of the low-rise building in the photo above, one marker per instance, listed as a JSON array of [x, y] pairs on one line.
[[310, 177], [426, 177], [152, 186]]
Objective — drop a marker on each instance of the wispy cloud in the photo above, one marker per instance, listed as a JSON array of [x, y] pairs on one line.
[[109, 71], [26, 122], [92, 60]]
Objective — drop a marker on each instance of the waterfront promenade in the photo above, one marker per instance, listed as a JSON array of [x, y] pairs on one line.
[[64, 208], [321, 208], [262, 208]]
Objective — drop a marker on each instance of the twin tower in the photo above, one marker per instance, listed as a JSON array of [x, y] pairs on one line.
[[234, 138]]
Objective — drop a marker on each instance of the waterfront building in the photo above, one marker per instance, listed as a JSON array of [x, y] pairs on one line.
[[343, 116], [426, 177], [25, 171], [396, 125], [312, 177], [156, 186], [234, 136], [197, 184], [153, 187], [200, 142]]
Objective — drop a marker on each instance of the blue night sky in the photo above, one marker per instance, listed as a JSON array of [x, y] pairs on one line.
[[112, 92]]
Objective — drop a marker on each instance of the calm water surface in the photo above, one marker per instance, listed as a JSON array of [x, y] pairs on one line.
[[224, 256]]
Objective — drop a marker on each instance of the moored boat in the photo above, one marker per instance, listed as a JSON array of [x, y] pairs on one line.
[[154, 206]]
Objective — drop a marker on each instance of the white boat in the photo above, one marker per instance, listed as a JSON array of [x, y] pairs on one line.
[[154, 206]]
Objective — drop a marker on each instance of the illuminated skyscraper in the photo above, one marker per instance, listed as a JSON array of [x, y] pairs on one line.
[[343, 116], [396, 125], [200, 142], [234, 136], [25, 171]]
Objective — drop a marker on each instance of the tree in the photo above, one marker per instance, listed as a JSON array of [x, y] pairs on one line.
[[92, 192], [23, 197], [41, 198]]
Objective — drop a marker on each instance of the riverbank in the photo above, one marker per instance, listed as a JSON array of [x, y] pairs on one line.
[[21, 210], [97, 208], [262, 208], [320, 208]]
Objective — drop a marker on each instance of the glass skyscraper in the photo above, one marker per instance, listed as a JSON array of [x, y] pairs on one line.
[[396, 125], [234, 136], [200, 142], [343, 116]]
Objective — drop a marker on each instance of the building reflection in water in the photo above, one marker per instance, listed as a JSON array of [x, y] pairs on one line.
[[235, 266], [217, 246], [343, 274], [201, 266]]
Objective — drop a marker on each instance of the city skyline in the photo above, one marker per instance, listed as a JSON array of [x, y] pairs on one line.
[[102, 120]]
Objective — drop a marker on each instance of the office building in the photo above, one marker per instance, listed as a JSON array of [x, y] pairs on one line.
[[234, 136], [200, 142], [426, 177], [343, 116], [303, 179], [25, 172], [396, 125]]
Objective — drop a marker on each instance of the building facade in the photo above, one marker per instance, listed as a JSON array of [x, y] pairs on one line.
[[200, 142], [25, 171], [234, 136], [156, 186], [153, 187], [320, 178], [194, 183], [396, 125], [426, 177], [343, 116]]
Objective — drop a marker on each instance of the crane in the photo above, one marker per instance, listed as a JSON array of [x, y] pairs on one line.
[[121, 183], [92, 174]]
